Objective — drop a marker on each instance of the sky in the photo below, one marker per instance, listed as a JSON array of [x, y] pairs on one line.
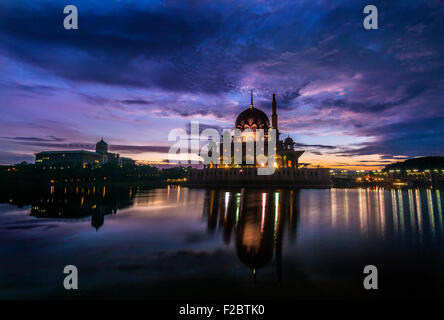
[[134, 70]]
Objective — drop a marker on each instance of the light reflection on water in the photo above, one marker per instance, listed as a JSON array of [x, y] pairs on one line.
[[381, 213], [377, 213], [266, 235]]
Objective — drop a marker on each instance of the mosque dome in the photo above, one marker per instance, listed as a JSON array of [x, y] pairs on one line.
[[252, 118], [288, 140], [102, 143], [254, 247], [102, 146]]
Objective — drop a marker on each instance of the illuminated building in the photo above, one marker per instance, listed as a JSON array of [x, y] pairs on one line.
[[245, 172], [82, 157]]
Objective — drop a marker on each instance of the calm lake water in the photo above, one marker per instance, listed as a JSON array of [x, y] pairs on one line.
[[177, 242]]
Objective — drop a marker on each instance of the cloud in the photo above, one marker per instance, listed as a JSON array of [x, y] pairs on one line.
[[410, 92], [137, 62], [125, 45], [318, 146], [35, 139], [408, 138], [138, 149], [29, 89], [7, 157], [135, 101]]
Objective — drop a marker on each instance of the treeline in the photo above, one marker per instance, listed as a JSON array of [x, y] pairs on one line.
[[422, 163], [26, 173]]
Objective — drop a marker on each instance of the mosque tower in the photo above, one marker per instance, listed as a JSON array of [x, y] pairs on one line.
[[274, 117]]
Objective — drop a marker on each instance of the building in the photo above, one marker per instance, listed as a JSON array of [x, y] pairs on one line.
[[82, 157], [288, 171], [253, 118]]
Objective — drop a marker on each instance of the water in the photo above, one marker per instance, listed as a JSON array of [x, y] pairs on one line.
[[177, 242]]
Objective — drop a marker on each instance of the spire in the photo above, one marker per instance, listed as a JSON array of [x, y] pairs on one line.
[[274, 121], [251, 105]]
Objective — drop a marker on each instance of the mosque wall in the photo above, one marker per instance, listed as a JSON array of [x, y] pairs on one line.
[[304, 177]]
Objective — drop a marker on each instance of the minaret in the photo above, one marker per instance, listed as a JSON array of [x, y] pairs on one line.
[[274, 117], [251, 105]]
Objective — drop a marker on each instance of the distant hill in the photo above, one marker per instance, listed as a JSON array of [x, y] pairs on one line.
[[418, 163]]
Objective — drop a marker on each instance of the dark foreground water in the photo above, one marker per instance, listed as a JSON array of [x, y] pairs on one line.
[[227, 243]]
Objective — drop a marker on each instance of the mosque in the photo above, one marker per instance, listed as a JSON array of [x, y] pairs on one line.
[[288, 171]]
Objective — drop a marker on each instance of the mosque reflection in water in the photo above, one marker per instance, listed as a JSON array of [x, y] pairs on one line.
[[256, 220], [281, 236]]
